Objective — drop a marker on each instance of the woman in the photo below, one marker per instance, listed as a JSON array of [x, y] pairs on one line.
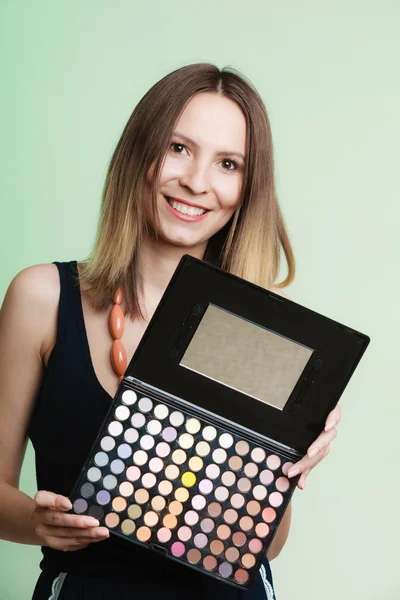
[[197, 144]]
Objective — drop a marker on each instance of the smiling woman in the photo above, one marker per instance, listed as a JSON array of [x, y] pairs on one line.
[[191, 174]]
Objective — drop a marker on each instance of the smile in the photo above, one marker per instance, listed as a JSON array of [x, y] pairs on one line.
[[185, 212]]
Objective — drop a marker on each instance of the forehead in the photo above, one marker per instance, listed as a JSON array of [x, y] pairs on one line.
[[213, 119]]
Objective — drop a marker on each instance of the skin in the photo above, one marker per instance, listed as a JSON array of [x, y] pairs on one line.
[[196, 172]]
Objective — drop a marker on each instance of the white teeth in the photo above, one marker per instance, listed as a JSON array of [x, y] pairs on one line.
[[192, 211]]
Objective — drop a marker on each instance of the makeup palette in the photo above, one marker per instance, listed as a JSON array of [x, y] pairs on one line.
[[227, 389]]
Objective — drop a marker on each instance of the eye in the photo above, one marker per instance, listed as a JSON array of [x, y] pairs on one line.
[[176, 144], [232, 162]]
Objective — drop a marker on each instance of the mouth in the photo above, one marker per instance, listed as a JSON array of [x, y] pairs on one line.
[[186, 212]]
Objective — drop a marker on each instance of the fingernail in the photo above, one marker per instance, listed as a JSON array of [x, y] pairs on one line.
[[65, 503], [102, 532], [303, 484], [91, 522], [293, 472], [330, 425], [313, 452]]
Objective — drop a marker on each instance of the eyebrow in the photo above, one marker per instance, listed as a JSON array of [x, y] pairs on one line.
[[220, 153]]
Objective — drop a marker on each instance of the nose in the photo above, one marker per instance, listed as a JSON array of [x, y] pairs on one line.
[[195, 176]]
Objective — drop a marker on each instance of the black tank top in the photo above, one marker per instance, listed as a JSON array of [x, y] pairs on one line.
[[69, 411]]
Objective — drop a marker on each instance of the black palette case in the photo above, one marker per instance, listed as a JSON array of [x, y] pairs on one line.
[[229, 386]]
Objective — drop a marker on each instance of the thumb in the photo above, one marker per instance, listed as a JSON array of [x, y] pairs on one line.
[[45, 499]]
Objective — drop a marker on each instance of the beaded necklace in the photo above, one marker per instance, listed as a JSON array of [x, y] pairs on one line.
[[116, 324]]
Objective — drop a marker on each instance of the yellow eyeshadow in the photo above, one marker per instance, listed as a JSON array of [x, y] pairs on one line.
[[188, 479]]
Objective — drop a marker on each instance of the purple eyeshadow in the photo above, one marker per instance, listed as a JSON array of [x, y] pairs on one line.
[[169, 434], [205, 486], [103, 497], [80, 505]]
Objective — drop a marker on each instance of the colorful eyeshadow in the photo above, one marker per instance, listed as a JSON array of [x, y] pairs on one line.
[[244, 484], [232, 554], [143, 534], [158, 503], [203, 448], [151, 518], [94, 474], [107, 443], [273, 462], [112, 520], [237, 500], [138, 420], [207, 525], [165, 487], [103, 497], [225, 570], [170, 521], [239, 539], [193, 426], [80, 505], [269, 515], [156, 464], [246, 523], [179, 456], [140, 457], [175, 507], [128, 526], [117, 466], [219, 456], [124, 451], [178, 549], [198, 502], [172, 472], [147, 442], [221, 493], [110, 482], [235, 463], [161, 411], [133, 473], [149, 480], [262, 530], [241, 576], [286, 467], [193, 556], [200, 540], [209, 562], [230, 516], [213, 471], [206, 486], [119, 504], [169, 434], [186, 440], [223, 532], [248, 560], [145, 405], [134, 511], [259, 492], [255, 545], [184, 533], [214, 509], [129, 397], [253, 507], [242, 448], [176, 418], [163, 449], [141, 496], [154, 427], [96, 512], [181, 494], [115, 428], [101, 459], [191, 517], [209, 433], [258, 455], [122, 413], [196, 464], [164, 535], [217, 547], [251, 469], [226, 440], [266, 477], [275, 499], [282, 484], [87, 490], [131, 435], [228, 478]]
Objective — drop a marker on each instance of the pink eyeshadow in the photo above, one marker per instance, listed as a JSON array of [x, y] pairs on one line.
[[273, 462], [255, 545], [266, 477], [275, 499], [178, 549], [282, 484], [164, 534], [286, 467]]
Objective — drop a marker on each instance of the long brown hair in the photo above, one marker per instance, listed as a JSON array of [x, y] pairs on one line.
[[248, 246]]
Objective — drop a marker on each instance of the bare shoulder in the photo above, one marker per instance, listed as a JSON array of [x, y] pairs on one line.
[[31, 303], [279, 292]]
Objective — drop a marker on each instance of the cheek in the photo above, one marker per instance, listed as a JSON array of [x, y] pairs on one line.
[[229, 194]]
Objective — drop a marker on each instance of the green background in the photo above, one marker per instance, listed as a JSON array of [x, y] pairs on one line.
[[328, 72]]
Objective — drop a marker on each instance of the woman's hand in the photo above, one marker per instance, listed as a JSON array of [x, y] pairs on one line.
[[63, 531], [318, 449]]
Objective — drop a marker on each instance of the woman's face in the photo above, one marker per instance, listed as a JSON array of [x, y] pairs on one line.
[[202, 175]]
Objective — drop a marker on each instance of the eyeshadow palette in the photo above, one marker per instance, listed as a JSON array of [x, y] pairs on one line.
[[169, 479], [229, 386]]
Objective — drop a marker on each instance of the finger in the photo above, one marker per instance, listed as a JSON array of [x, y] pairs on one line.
[[60, 544], [334, 417], [59, 519], [45, 499], [302, 481], [304, 464], [72, 532], [321, 442]]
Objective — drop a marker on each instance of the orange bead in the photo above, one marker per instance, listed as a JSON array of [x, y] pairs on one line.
[[118, 357], [116, 322], [118, 296]]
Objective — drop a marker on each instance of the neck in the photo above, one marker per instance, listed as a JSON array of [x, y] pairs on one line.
[[157, 261]]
